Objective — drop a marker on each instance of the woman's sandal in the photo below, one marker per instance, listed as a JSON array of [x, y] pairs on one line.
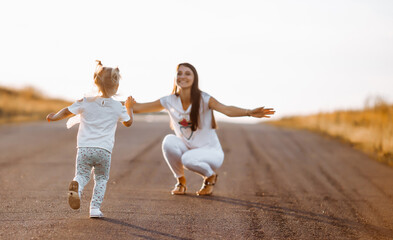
[[207, 186], [179, 189]]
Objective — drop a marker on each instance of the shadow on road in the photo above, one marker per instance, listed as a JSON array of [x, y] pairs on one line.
[[310, 216], [125, 224]]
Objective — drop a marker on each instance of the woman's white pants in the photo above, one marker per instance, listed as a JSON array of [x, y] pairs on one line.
[[204, 161]]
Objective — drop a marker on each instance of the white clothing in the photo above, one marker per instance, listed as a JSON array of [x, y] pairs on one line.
[[204, 160], [98, 121], [205, 135], [199, 151]]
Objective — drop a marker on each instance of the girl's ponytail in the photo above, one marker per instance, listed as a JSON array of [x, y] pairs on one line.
[[115, 75], [106, 79], [99, 68]]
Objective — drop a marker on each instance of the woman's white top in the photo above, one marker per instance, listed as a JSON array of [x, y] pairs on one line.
[[205, 135], [98, 121]]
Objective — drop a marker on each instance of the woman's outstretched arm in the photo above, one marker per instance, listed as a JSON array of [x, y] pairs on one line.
[[232, 111], [148, 107]]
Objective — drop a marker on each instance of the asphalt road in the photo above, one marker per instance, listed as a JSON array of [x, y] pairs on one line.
[[274, 184]]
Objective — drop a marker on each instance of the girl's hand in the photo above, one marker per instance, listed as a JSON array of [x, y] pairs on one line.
[[261, 112], [130, 102], [63, 113], [50, 117]]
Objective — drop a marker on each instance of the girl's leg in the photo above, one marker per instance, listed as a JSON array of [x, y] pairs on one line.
[[101, 176], [173, 149], [83, 167], [204, 161]]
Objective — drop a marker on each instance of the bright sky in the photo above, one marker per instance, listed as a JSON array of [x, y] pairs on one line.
[[299, 57]]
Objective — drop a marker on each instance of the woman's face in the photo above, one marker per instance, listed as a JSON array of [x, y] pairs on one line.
[[185, 77]]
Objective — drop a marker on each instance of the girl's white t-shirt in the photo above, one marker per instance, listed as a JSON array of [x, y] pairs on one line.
[[98, 121], [205, 135]]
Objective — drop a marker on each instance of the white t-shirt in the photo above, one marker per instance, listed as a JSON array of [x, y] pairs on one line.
[[205, 135], [98, 121]]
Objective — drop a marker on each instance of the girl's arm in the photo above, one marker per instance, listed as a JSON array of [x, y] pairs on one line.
[[148, 107], [63, 113], [232, 111]]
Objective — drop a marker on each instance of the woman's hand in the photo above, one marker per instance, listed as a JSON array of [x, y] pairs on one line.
[[130, 102], [129, 106], [261, 112]]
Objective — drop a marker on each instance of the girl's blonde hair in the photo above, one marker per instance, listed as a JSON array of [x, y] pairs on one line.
[[107, 79]]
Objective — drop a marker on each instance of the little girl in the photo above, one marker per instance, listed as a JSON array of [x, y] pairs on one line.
[[98, 122]]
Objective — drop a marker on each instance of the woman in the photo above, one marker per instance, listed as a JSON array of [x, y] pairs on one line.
[[195, 145]]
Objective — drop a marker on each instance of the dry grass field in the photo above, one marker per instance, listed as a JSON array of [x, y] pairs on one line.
[[370, 129], [27, 104]]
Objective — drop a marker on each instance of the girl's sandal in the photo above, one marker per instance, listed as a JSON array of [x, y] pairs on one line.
[[179, 189], [73, 195]]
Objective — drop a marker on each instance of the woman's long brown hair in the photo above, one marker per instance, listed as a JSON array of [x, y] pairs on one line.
[[195, 98]]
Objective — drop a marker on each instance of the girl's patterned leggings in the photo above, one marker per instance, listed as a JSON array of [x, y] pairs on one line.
[[98, 161]]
